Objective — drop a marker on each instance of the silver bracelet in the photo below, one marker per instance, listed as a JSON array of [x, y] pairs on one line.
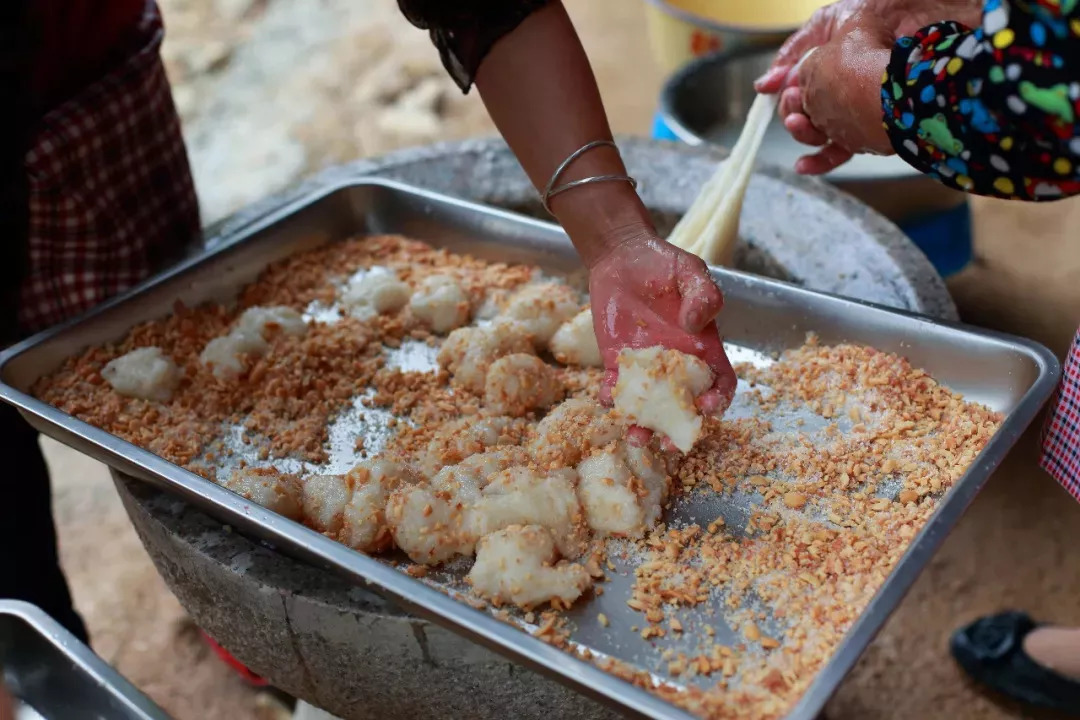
[[551, 190]]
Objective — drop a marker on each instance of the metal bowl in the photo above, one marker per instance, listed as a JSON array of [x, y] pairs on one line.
[[707, 102]]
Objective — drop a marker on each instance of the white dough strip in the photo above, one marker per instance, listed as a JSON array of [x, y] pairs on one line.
[[710, 227]]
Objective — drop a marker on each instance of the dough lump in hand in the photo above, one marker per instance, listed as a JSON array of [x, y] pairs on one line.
[[657, 389]]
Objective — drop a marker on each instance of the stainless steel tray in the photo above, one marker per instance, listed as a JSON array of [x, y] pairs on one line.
[[54, 676], [762, 316]]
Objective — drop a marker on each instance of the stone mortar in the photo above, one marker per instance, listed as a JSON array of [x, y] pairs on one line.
[[348, 651]]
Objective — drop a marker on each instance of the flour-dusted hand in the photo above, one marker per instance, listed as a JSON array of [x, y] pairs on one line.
[[646, 292]]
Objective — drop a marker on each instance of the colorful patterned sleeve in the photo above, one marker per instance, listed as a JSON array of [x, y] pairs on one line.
[[993, 110]]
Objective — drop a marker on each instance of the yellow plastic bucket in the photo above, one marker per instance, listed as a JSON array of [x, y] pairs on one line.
[[681, 30]]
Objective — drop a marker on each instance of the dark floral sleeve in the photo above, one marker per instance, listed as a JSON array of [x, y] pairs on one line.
[[993, 110], [465, 30]]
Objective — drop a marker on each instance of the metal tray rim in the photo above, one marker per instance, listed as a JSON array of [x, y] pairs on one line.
[[477, 625], [108, 679]]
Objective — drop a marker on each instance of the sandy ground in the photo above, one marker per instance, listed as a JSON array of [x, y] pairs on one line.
[[271, 90]]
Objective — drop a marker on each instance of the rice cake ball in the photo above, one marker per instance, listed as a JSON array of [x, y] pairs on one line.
[[653, 474], [609, 494], [518, 384], [492, 303], [324, 499], [370, 483], [540, 308], [469, 352], [427, 527], [225, 355], [572, 430], [269, 488], [574, 343], [486, 464], [518, 564], [459, 439], [440, 303], [459, 484], [261, 322], [146, 373], [523, 496], [622, 489], [377, 292]]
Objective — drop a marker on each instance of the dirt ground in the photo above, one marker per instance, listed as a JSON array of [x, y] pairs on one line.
[[271, 90]]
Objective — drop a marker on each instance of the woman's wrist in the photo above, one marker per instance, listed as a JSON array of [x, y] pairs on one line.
[[599, 217]]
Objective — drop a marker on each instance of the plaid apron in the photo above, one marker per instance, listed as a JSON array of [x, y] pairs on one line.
[[109, 187], [1061, 439]]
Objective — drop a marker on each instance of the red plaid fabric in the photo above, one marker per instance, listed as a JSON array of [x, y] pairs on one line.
[[110, 190], [1061, 442]]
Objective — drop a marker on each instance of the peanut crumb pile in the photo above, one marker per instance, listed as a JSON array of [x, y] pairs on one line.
[[831, 514], [828, 464]]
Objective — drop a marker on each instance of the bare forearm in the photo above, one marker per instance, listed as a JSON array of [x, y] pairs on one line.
[[539, 89]]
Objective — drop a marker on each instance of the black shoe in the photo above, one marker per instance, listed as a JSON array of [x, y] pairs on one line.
[[991, 651]]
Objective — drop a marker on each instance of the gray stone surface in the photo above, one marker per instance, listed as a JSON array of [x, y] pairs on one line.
[[346, 650]]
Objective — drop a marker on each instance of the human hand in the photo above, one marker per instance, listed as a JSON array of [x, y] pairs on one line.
[[646, 292], [832, 99]]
